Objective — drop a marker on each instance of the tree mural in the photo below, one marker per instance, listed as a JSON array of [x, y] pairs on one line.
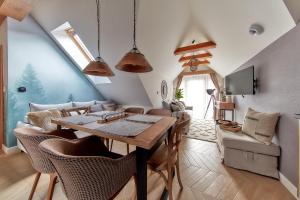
[[35, 91], [18, 102], [70, 98]]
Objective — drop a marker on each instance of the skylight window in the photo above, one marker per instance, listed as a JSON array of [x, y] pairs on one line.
[[75, 48]]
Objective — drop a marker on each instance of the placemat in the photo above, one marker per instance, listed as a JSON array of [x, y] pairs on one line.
[[148, 119], [79, 119], [124, 128]]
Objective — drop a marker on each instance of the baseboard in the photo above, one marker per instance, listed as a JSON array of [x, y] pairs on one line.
[[10, 150], [289, 186]]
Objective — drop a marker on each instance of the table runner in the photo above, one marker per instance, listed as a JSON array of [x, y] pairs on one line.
[[124, 128]]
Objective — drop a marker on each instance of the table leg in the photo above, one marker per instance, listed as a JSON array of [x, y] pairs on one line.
[[141, 168]]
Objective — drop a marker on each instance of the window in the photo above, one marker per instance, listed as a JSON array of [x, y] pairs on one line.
[[194, 89], [75, 48]]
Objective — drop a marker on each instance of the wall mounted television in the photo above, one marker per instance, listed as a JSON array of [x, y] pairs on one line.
[[241, 82]]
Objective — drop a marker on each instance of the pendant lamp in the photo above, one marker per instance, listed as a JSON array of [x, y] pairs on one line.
[[98, 67], [134, 61]]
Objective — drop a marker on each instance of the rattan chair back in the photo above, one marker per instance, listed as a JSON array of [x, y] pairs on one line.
[[135, 110], [30, 139], [161, 112], [83, 174]]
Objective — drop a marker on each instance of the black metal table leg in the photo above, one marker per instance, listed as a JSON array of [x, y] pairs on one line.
[[141, 167]]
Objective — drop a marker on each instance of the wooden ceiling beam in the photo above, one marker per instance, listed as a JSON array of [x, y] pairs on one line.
[[17, 9], [195, 47], [197, 56], [198, 63], [209, 71]]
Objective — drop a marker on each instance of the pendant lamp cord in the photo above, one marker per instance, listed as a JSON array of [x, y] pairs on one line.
[[98, 21], [134, 24]]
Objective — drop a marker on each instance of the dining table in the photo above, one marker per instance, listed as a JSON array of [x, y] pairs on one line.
[[146, 143]]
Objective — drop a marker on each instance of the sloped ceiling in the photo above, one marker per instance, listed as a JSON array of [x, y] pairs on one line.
[[227, 24], [116, 39], [162, 26]]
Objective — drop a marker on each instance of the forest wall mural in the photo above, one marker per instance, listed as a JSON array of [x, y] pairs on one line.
[[35, 62]]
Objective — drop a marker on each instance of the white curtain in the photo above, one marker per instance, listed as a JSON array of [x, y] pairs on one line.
[[194, 89]]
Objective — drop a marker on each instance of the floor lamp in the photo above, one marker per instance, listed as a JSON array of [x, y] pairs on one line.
[[211, 100]]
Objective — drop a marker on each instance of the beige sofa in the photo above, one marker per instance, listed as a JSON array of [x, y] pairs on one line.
[[241, 151]]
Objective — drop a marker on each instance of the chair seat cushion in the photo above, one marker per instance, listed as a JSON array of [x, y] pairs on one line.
[[246, 143]]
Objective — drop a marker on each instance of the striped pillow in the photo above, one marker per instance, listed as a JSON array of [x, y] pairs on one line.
[[260, 126]]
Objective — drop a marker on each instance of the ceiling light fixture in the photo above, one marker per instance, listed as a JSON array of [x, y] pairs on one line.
[[98, 67], [134, 61], [193, 63]]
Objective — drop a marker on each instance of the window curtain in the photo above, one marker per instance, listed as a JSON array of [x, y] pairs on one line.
[[179, 81], [215, 81]]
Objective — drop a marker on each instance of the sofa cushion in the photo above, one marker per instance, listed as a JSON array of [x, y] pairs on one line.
[[96, 108], [83, 104], [43, 118], [260, 125], [246, 143], [34, 107], [105, 101], [109, 106], [166, 105]]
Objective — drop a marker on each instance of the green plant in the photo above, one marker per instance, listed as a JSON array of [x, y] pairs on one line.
[[179, 94]]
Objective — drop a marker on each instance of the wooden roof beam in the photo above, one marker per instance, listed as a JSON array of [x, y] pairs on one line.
[[198, 63], [195, 47], [197, 56], [209, 71]]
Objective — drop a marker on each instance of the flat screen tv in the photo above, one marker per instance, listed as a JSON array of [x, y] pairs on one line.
[[240, 82]]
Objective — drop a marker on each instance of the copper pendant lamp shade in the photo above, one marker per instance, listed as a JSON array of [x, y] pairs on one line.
[[98, 67], [134, 61]]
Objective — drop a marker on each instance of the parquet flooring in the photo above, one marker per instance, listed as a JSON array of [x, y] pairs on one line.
[[203, 176]]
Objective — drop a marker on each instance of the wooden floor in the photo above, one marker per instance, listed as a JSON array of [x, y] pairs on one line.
[[203, 176]]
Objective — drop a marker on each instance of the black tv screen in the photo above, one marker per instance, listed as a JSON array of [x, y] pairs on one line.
[[240, 82]]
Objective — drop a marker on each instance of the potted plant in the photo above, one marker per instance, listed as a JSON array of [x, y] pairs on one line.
[[179, 94]]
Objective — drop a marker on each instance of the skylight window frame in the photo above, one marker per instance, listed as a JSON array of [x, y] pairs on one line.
[[77, 41], [70, 42]]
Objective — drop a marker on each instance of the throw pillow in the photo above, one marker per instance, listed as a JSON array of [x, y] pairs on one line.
[[83, 104], [34, 107], [109, 106], [175, 107], [96, 108], [260, 126], [181, 105], [42, 119]]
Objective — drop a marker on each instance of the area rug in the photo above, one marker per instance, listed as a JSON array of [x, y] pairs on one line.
[[202, 129]]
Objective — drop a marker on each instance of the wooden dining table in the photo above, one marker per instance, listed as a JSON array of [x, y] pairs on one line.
[[146, 143]]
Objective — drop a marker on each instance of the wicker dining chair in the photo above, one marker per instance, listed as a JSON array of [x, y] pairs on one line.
[[166, 157], [30, 139], [78, 110], [161, 112], [134, 110], [87, 169]]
